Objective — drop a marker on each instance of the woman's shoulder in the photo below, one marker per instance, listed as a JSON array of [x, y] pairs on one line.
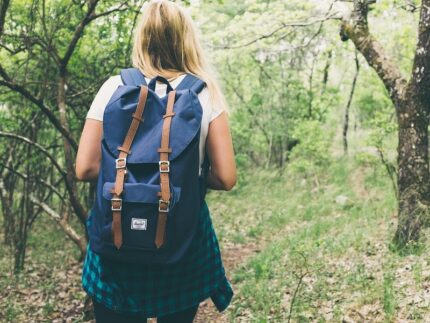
[[103, 96], [113, 81], [212, 109]]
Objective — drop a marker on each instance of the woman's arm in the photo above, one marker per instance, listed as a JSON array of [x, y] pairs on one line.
[[89, 152], [219, 146]]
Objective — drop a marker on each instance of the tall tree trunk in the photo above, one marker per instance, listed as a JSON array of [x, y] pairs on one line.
[[68, 152], [412, 103], [348, 105], [326, 71], [413, 175]]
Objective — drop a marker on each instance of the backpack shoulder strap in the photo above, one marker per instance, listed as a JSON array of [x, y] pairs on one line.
[[191, 82], [132, 76]]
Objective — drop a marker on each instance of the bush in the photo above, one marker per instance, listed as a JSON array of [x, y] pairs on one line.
[[312, 152]]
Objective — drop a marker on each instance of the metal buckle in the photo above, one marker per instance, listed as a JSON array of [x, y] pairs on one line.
[[120, 205], [160, 201], [164, 163], [117, 166]]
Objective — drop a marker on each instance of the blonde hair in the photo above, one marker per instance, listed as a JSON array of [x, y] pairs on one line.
[[166, 44]]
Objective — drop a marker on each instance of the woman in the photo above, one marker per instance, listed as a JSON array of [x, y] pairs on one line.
[[165, 44]]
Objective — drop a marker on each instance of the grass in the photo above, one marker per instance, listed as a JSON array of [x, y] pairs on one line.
[[389, 300], [335, 254]]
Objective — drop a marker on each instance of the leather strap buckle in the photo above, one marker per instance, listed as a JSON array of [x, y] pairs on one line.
[[113, 201], [165, 163], [118, 162], [166, 203]]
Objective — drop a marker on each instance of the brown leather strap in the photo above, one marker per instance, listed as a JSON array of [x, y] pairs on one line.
[[137, 117], [164, 166], [120, 148], [121, 171], [164, 150]]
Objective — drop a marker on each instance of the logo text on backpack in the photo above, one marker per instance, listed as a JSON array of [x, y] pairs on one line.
[[138, 224]]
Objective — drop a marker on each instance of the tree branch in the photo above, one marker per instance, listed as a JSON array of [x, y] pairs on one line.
[[122, 7], [32, 178], [391, 170], [40, 104], [29, 41], [80, 211], [78, 33], [34, 144], [355, 27], [62, 221], [279, 28]]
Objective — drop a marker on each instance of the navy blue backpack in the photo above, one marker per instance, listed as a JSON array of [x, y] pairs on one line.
[[149, 190]]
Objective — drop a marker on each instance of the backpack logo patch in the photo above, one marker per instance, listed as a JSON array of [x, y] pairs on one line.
[[138, 224]]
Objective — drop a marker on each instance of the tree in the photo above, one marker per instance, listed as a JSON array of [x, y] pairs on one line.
[[411, 100], [48, 74]]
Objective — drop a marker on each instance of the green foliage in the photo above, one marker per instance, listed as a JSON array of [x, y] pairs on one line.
[[312, 151], [372, 105]]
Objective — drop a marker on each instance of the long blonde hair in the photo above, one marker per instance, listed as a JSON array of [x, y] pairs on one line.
[[166, 44]]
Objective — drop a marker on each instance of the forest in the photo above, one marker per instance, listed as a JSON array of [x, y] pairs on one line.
[[328, 105]]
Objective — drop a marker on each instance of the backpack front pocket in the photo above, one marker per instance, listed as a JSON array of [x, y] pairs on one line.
[[139, 214]]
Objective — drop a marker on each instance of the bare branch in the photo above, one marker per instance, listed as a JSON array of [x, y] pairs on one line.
[[32, 178], [36, 145], [80, 211], [407, 5], [391, 170], [78, 34], [280, 28], [28, 41], [13, 51], [62, 221], [300, 275], [122, 7]]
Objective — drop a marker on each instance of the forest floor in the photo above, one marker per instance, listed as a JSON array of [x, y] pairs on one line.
[[310, 246]]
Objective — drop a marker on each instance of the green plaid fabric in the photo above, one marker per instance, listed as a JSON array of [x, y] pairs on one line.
[[157, 290]]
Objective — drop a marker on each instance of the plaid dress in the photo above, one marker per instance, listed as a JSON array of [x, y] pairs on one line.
[[157, 290]]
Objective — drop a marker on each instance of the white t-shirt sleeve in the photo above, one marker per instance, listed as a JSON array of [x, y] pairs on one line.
[[102, 97], [213, 110]]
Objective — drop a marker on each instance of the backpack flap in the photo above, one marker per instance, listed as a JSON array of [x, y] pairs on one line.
[[141, 193], [191, 82], [118, 115], [132, 76]]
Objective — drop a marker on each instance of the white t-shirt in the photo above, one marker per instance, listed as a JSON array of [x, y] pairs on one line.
[[105, 92]]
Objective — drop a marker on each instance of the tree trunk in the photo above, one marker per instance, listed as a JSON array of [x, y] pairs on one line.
[[348, 105], [413, 159], [68, 153], [413, 175], [412, 103]]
